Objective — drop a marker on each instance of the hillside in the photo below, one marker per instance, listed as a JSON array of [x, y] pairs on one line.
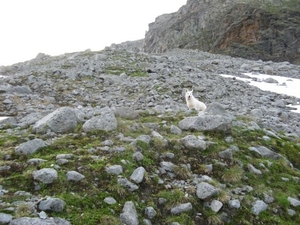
[[266, 29], [106, 138]]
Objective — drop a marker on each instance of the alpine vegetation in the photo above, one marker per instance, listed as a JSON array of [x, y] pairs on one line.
[[106, 138]]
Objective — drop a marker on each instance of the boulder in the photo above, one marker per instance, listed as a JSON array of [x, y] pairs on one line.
[[5, 218], [192, 142], [182, 208], [207, 123], [30, 147], [62, 120], [258, 207], [129, 215], [52, 205], [206, 190], [45, 175], [74, 176], [106, 121], [126, 113], [138, 175], [150, 212]]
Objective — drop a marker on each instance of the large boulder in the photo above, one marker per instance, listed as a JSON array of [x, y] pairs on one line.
[[207, 123], [106, 121], [62, 120], [216, 118]]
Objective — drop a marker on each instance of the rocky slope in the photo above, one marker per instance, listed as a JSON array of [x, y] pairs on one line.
[[106, 138], [267, 30]]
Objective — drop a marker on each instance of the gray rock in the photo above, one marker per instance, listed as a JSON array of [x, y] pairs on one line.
[[216, 205], [253, 126], [258, 207], [270, 80], [216, 108], [5, 218], [252, 169], [7, 101], [265, 152], [167, 166], [192, 142], [129, 215], [226, 154], [175, 130], [147, 222], [74, 176], [104, 122], [39, 221], [65, 156], [182, 208], [234, 204], [207, 123], [294, 202], [150, 212], [35, 161], [268, 199], [138, 175], [206, 190], [52, 205], [30, 119], [45, 175], [126, 113], [30, 147], [43, 215], [115, 169], [21, 89], [257, 113], [107, 143], [62, 120], [138, 156], [110, 200], [62, 162], [291, 212], [271, 133], [118, 149], [124, 182], [144, 138]]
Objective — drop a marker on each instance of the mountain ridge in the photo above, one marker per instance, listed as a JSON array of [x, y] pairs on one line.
[[267, 30]]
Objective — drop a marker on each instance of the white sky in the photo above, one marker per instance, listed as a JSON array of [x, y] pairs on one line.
[[55, 27]]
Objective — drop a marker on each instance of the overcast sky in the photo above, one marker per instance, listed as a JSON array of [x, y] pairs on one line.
[[55, 27]]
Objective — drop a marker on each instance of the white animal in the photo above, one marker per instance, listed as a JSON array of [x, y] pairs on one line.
[[192, 102]]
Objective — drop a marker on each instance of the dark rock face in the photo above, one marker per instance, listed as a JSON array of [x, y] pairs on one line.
[[241, 30]]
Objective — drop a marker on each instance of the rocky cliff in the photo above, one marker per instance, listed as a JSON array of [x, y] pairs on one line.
[[267, 30]]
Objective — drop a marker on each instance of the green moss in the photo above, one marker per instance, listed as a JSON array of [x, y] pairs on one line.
[[139, 74], [174, 197], [143, 145], [181, 219]]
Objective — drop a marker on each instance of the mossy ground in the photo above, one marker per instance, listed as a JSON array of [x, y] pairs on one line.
[[84, 199]]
